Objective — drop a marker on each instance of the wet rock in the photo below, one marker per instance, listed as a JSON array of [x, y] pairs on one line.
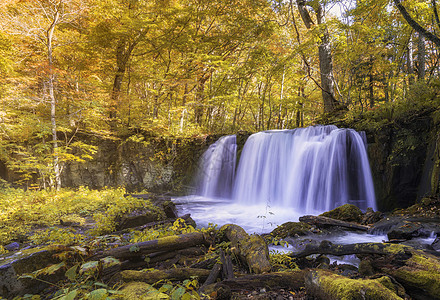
[[12, 246], [346, 212], [291, 229], [371, 217], [436, 244], [22, 262], [405, 230]]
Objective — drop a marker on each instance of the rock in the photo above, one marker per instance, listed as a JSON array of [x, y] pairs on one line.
[[326, 285], [169, 209], [22, 262], [436, 244], [12, 246], [371, 217], [346, 212], [137, 218], [405, 230], [291, 229]]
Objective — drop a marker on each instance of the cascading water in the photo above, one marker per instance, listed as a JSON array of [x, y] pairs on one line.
[[282, 174], [310, 169], [217, 168]]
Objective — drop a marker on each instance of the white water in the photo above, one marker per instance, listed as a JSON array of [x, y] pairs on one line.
[[217, 168], [282, 175]]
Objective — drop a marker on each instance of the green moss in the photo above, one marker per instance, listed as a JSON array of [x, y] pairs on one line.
[[291, 229], [422, 272], [343, 288], [346, 212]]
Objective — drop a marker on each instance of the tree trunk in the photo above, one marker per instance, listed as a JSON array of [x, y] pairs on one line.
[[416, 26], [51, 79], [421, 58], [325, 56]]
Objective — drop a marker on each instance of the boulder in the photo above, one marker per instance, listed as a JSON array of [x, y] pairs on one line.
[[291, 229], [346, 212]]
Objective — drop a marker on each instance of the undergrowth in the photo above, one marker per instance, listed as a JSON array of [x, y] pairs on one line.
[[42, 212]]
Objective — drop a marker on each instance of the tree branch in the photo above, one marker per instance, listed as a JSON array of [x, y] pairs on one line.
[[417, 27]]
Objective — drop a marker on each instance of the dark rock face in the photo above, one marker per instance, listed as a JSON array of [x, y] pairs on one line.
[[406, 228], [397, 156]]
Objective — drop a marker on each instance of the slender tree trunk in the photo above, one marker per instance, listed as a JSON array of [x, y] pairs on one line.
[[51, 79], [410, 61], [421, 58]]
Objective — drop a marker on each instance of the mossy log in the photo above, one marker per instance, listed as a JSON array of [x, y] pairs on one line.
[[326, 247], [291, 280], [324, 221], [153, 276], [417, 270], [169, 243], [251, 249], [326, 285]]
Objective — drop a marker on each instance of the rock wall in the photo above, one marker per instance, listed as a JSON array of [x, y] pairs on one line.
[[401, 155], [154, 164]]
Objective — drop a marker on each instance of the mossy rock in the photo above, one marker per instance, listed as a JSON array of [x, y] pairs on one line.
[[327, 285], [291, 229], [346, 212]]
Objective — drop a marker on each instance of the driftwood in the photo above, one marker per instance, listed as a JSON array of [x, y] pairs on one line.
[[251, 249], [324, 221], [169, 243], [154, 276]]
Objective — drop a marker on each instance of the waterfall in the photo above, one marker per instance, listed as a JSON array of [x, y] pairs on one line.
[[310, 170], [217, 168]]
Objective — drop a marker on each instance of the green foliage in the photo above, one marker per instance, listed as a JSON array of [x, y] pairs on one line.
[[282, 261], [54, 235], [22, 210]]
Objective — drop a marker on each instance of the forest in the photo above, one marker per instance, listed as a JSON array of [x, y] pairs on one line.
[[106, 107], [190, 68]]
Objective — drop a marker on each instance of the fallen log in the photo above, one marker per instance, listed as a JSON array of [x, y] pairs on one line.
[[251, 249], [291, 280], [322, 284], [324, 221], [153, 276], [326, 247], [169, 243], [418, 271]]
